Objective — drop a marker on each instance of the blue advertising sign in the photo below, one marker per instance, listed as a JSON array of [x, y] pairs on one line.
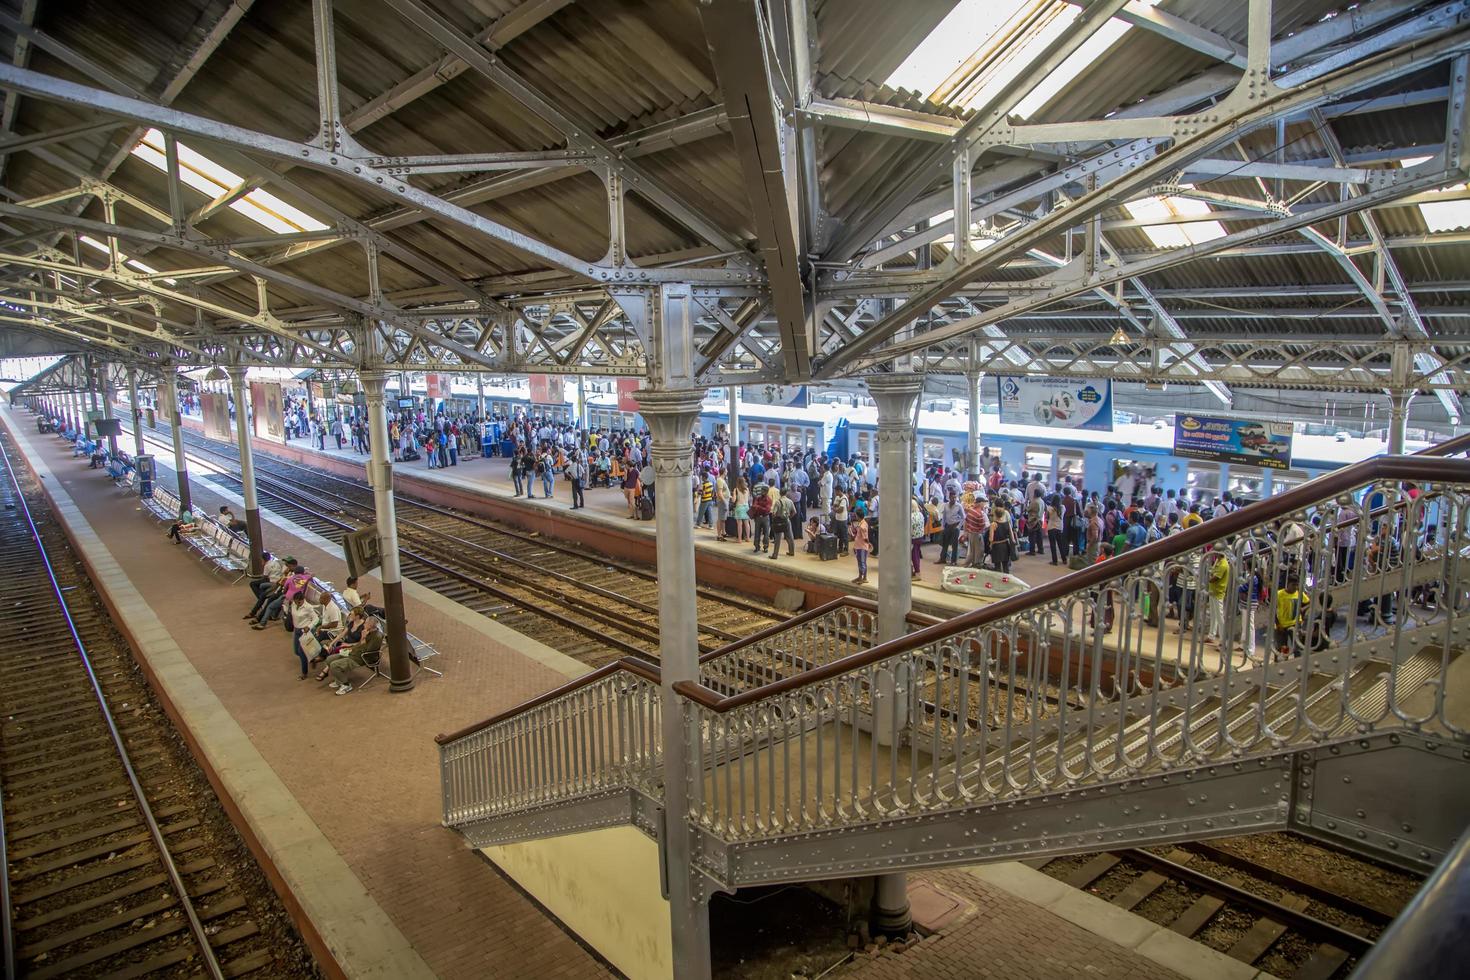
[[1057, 403], [1225, 440]]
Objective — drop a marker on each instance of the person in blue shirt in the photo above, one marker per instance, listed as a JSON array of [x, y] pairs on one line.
[[1138, 532]]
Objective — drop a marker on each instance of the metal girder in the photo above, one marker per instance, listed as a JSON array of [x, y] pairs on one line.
[[1103, 276], [993, 111], [1246, 109], [1326, 362], [578, 134], [765, 142], [306, 154], [1180, 31], [450, 66], [20, 57]]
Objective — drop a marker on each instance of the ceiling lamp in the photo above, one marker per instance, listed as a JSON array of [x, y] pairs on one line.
[[1119, 337], [347, 386], [216, 373]]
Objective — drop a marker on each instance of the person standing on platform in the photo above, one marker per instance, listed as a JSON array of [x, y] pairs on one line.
[[760, 513], [1092, 533], [918, 523], [1001, 540], [704, 496], [840, 517], [860, 547], [824, 492], [740, 501], [631, 491], [952, 518], [546, 469], [577, 474], [722, 507], [783, 512], [518, 472]]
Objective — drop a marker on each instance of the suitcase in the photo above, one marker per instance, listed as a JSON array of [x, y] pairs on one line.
[[645, 509], [827, 546], [731, 528]]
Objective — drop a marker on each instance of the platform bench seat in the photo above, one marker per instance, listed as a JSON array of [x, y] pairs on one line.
[[128, 482], [214, 543], [163, 505]]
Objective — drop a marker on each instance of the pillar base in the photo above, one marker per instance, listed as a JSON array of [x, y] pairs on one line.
[[891, 913]]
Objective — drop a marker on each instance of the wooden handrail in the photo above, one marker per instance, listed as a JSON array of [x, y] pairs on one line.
[[1420, 467], [1423, 465]]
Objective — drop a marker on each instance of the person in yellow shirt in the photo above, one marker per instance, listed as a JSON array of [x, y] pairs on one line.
[[1291, 609], [1192, 518]]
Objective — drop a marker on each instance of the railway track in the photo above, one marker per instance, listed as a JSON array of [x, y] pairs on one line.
[[1289, 917], [591, 608], [118, 861]]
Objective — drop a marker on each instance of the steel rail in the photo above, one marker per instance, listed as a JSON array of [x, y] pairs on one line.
[[476, 522], [1344, 939], [733, 602], [154, 831]]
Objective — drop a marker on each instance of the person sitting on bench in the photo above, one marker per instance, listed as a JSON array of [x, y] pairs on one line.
[[186, 524], [359, 654], [290, 585]]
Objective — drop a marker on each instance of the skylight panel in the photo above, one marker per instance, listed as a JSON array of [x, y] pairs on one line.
[[1175, 234], [1441, 215], [212, 180], [968, 34], [141, 266]]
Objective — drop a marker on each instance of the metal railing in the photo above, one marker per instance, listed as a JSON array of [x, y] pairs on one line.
[[1427, 939], [1087, 679], [811, 725], [598, 733]]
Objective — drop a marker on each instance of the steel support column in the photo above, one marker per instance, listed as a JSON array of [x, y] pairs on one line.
[[107, 395], [896, 395], [1398, 420], [175, 416], [247, 472], [732, 452], [137, 413], [380, 475], [671, 414], [973, 379]]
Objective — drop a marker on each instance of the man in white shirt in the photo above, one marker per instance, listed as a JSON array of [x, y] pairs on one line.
[[351, 596]]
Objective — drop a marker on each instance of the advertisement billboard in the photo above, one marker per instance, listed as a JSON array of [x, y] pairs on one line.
[[436, 385], [548, 389], [1225, 440], [216, 410], [1057, 403], [790, 396], [269, 420], [627, 391]]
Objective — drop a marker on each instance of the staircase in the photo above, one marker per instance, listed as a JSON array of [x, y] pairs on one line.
[[1042, 724]]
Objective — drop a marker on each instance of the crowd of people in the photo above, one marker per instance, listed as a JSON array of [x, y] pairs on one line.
[[773, 497]]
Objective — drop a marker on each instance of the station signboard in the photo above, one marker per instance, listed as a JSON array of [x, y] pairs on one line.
[[1056, 403], [1225, 440], [436, 385], [216, 410], [270, 420], [627, 395], [788, 396], [548, 389]]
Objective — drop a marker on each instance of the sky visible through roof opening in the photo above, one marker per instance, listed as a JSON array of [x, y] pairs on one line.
[[212, 180], [1442, 215], [968, 29]]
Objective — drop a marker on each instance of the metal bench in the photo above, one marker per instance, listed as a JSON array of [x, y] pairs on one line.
[[129, 481], [163, 505], [213, 542]]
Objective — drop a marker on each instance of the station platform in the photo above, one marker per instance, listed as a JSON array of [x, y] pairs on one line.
[[341, 797], [483, 485]]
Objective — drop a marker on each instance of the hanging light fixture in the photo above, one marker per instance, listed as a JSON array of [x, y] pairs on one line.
[[348, 385], [1119, 337], [217, 373]]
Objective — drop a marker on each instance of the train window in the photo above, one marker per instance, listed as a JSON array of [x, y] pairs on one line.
[[811, 439], [1070, 465], [1203, 481], [794, 437], [933, 450], [1038, 460], [862, 445], [1245, 482]]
